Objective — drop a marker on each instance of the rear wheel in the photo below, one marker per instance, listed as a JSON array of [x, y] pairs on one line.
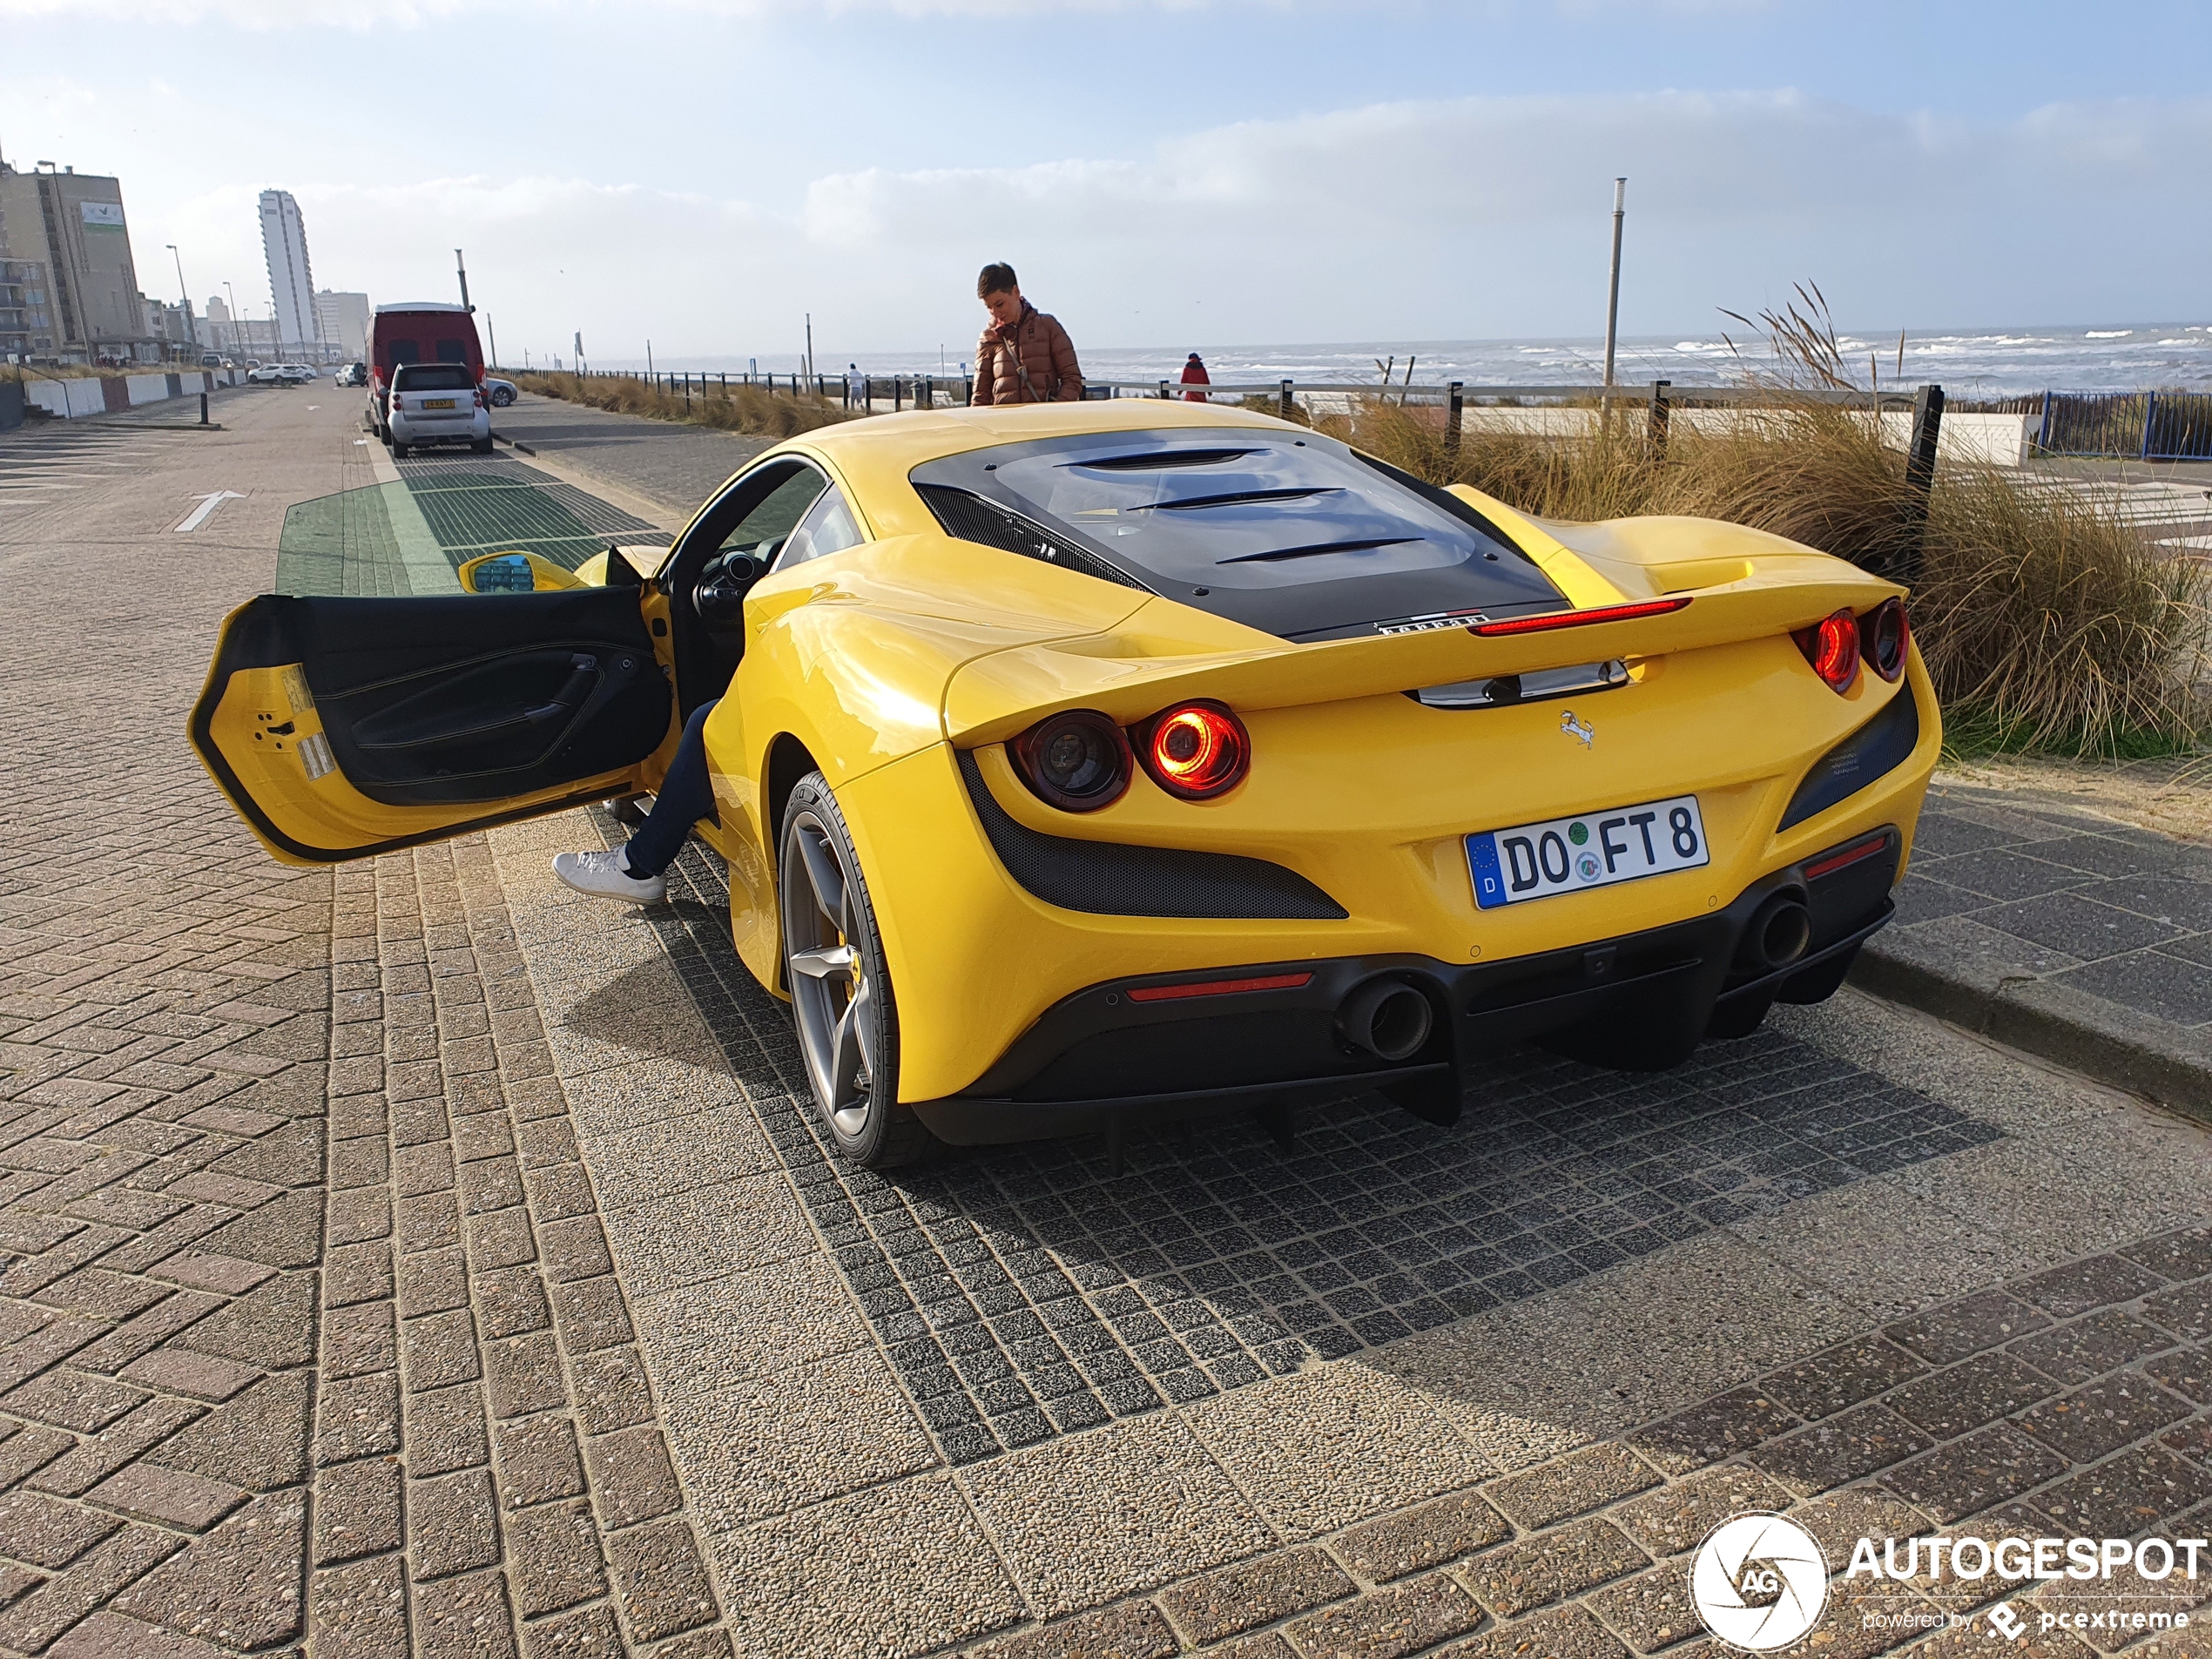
[[840, 988], [481, 446], [399, 449]]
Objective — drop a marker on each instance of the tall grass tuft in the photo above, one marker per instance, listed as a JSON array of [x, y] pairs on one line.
[[2048, 623], [751, 409]]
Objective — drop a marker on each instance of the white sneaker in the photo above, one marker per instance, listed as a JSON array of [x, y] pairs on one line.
[[602, 875]]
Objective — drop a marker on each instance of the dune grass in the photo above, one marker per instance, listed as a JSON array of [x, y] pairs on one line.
[[751, 409], [2048, 625]]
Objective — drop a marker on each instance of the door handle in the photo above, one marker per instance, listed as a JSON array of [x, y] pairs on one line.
[[583, 674]]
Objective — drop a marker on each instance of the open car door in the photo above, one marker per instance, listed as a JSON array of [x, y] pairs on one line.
[[340, 728]]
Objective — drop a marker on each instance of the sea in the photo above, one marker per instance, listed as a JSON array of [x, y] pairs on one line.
[[1967, 363]]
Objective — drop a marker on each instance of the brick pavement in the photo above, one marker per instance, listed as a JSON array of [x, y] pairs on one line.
[[307, 1329]]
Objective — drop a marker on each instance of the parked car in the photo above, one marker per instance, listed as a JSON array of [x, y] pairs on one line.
[[294, 374], [422, 331], [436, 403], [267, 375], [1098, 761], [502, 392], [352, 375], [210, 360]]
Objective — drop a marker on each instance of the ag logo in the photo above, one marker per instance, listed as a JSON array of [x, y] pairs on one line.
[[1759, 1581]]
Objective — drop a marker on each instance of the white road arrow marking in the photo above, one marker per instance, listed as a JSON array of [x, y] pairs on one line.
[[207, 505]]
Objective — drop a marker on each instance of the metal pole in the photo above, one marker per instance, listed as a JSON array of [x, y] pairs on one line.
[[184, 294], [1454, 409], [1288, 402], [1919, 477], [494, 332], [460, 269], [810, 348], [1613, 286], [1655, 426]]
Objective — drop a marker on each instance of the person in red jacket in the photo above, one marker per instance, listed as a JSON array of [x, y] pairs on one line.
[[1024, 356], [1194, 374]]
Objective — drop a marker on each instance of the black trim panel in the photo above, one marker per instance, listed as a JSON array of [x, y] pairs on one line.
[[1114, 878], [1880, 746]]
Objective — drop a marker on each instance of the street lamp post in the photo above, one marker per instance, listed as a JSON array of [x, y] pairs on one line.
[[1613, 286], [185, 294]]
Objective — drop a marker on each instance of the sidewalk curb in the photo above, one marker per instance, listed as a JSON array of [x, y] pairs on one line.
[[2086, 1034]]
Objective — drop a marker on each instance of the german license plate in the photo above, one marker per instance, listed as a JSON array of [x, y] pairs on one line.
[[437, 402], [1590, 850]]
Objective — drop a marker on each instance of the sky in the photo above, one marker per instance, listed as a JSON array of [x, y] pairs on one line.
[[704, 173]]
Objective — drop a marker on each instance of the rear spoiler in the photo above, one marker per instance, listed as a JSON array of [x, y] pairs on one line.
[[996, 695]]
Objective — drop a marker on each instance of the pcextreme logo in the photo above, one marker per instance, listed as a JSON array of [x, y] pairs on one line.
[[1759, 1581]]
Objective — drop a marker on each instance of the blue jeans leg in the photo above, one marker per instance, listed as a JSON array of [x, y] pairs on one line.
[[686, 797]]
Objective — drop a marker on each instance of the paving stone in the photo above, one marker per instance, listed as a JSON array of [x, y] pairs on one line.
[[147, 1492], [611, 1391], [1238, 1598], [523, 1374], [511, 1302], [1961, 1398], [1715, 1429], [1550, 1566], [1841, 1449], [554, 1558], [109, 1636], [452, 1523], [1561, 1633], [2087, 1424], [1388, 1623], [1130, 1630], [45, 1613], [271, 1327], [538, 1462], [237, 1586], [1968, 1326], [359, 1417], [2102, 1342], [181, 1370], [632, 1477], [1972, 1473], [1652, 1610], [438, 1350], [359, 1611], [432, 1281], [575, 1249], [1677, 1517], [1573, 1485], [72, 1399], [258, 1440], [2186, 1310], [357, 1510], [1841, 1377], [2074, 1289], [501, 1238], [2186, 1254], [589, 1633], [660, 1582], [1426, 1536], [468, 1617], [592, 1314], [46, 1532], [2127, 1495]]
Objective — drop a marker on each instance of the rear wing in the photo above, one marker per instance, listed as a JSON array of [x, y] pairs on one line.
[[1136, 669]]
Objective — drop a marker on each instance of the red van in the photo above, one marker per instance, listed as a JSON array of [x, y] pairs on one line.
[[422, 331]]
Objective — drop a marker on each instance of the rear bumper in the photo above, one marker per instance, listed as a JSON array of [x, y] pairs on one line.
[[457, 428], [1104, 1057]]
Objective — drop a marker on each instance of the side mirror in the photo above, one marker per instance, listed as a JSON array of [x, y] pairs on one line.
[[719, 597], [513, 573]]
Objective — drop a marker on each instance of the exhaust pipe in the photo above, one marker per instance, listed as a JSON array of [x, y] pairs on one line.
[[1388, 1018], [1780, 930]]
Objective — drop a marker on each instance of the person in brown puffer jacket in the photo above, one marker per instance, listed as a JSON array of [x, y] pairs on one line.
[[1025, 356]]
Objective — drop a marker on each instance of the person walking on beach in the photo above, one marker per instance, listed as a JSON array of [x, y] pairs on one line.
[[1024, 355], [1194, 374]]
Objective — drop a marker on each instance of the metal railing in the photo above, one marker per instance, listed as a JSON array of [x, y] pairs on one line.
[[2145, 426]]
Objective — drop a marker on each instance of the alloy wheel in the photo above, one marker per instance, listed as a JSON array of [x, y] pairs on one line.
[[831, 995]]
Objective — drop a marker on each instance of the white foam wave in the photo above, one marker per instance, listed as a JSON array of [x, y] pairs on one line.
[[2107, 334]]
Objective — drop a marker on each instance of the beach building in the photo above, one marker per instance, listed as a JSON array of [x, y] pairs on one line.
[[344, 320], [292, 287], [66, 233]]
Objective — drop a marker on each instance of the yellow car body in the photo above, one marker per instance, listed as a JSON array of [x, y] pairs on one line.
[[1013, 932]]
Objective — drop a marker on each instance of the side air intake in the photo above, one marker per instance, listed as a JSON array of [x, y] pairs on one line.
[[971, 517], [1109, 878]]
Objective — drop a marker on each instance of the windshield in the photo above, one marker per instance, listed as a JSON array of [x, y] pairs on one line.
[[1298, 534]]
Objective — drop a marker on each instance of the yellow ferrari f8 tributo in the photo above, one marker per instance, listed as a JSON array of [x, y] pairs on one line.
[[1088, 763]]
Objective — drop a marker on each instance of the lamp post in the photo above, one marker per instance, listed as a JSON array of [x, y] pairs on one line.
[[185, 294]]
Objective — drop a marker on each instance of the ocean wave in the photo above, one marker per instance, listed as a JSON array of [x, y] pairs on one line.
[[2107, 334]]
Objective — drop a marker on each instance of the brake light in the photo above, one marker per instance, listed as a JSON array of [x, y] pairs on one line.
[[1196, 751], [1886, 637], [482, 402], [1832, 646], [1078, 761], [1552, 619]]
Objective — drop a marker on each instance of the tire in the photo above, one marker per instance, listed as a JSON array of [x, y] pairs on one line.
[[399, 449], [480, 446], [841, 999]]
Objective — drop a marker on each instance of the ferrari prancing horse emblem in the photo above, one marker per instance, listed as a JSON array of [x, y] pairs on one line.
[[1575, 728]]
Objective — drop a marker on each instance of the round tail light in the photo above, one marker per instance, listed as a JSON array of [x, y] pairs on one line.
[[1832, 646], [1886, 637], [1078, 761], [1197, 750]]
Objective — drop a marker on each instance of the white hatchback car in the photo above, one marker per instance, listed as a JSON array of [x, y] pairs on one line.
[[436, 403]]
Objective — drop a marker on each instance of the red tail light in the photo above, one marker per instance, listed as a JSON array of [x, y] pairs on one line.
[[1886, 637], [1832, 646], [1078, 761], [1550, 619], [481, 401], [1196, 751]]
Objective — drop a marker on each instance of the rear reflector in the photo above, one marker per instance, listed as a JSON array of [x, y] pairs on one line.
[[1552, 619], [1848, 857], [1219, 987]]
